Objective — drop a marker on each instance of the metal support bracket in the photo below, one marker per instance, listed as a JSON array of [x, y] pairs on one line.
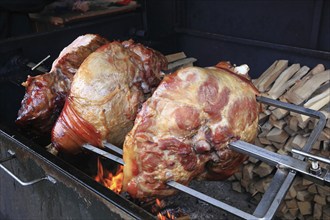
[[287, 166], [21, 182]]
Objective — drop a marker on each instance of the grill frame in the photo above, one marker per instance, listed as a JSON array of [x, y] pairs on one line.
[[120, 27]]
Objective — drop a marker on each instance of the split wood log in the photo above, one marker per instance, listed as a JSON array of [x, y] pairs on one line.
[[288, 145], [293, 124], [322, 200], [263, 170], [248, 172], [304, 91], [280, 113], [236, 186], [270, 75], [277, 123], [280, 85], [326, 212], [318, 68], [277, 135], [317, 102], [298, 141], [266, 127], [304, 196], [317, 211], [263, 117], [286, 130], [181, 63], [175, 56], [305, 207]]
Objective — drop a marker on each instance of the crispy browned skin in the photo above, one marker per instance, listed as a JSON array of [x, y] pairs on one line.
[[45, 94], [182, 132], [105, 96]]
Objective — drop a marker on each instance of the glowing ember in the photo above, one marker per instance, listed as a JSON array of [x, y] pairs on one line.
[[108, 179], [160, 204]]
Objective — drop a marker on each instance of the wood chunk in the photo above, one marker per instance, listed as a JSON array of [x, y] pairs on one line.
[[181, 63], [292, 192], [280, 84], [175, 56], [271, 108], [312, 189], [306, 182], [277, 135], [262, 134], [291, 204], [282, 152], [317, 211], [320, 199], [323, 190], [304, 91], [280, 113], [325, 135], [257, 142], [282, 210], [325, 146], [293, 212], [236, 186], [326, 213], [248, 171], [263, 170], [288, 144], [304, 196], [277, 123], [288, 215], [302, 72], [253, 160], [264, 141], [263, 117], [316, 145], [267, 72], [305, 208], [262, 184], [318, 68], [316, 103], [279, 146], [300, 187], [271, 74], [238, 175], [298, 141], [246, 184], [267, 126], [270, 148], [288, 130], [293, 124]]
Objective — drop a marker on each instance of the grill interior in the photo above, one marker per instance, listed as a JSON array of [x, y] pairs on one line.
[[171, 26]]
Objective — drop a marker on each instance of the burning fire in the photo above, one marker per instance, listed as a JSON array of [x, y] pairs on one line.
[[108, 179], [163, 216]]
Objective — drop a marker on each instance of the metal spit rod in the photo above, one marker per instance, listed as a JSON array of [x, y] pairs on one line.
[[281, 161], [176, 185], [282, 179]]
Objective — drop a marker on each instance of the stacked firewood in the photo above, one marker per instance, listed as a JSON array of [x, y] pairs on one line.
[[281, 130]]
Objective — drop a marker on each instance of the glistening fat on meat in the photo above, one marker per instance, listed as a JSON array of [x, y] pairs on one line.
[[106, 94], [182, 132], [46, 93]]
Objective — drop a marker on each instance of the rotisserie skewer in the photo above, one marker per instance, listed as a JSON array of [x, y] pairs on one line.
[[281, 161]]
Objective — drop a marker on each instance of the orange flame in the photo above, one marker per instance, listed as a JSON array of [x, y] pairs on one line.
[[108, 179], [168, 216]]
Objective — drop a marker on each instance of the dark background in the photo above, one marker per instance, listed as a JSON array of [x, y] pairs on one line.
[[254, 32]]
